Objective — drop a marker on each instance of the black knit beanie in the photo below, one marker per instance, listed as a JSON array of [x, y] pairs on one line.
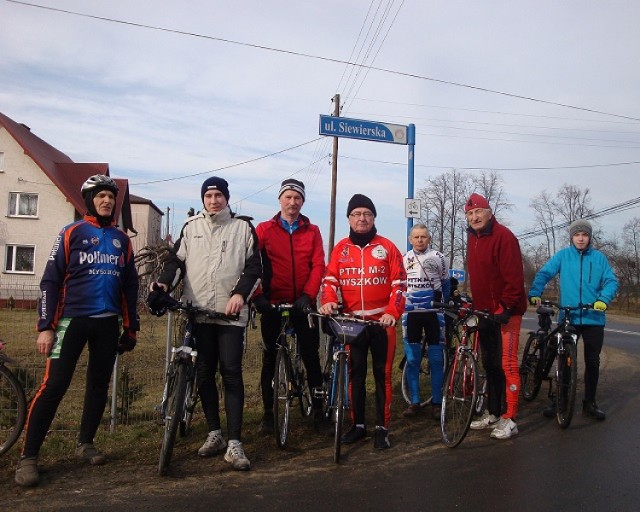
[[215, 183], [360, 201]]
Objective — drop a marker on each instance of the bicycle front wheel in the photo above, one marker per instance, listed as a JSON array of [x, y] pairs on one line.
[[567, 379], [174, 414], [481, 376], [458, 399], [340, 404], [424, 380], [282, 386], [190, 405], [531, 368], [13, 409]]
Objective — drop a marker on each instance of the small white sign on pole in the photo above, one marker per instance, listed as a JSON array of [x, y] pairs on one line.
[[412, 208]]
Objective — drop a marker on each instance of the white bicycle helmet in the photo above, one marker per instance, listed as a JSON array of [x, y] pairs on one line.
[[99, 181]]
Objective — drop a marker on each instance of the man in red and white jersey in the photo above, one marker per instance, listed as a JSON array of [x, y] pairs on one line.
[[366, 270]]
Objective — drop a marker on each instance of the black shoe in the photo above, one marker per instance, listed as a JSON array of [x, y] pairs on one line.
[[550, 411], [436, 411], [591, 409], [355, 434], [381, 439], [266, 424]]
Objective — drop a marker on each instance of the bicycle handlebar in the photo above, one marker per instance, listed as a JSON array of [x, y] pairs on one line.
[[190, 309], [465, 310], [344, 317], [550, 303]]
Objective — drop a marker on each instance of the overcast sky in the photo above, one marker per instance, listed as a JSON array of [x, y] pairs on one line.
[[163, 92]]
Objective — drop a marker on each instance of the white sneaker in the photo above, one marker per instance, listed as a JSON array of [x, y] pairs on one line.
[[486, 421], [505, 428], [214, 444], [235, 455]]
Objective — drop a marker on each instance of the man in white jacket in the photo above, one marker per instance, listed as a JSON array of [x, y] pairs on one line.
[[218, 252]]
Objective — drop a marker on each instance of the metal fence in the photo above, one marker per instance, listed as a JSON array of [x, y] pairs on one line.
[[138, 376]]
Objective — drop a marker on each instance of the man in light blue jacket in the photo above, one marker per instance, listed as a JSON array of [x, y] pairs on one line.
[[585, 278]]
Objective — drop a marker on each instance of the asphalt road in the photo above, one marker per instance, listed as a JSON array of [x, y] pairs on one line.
[[589, 466]]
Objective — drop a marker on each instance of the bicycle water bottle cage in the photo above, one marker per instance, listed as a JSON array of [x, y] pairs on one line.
[[347, 331]]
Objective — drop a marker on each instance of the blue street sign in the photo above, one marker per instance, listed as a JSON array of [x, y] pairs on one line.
[[458, 274], [363, 130]]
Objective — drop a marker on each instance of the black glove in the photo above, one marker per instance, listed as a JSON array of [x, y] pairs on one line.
[[127, 342], [502, 315], [159, 301], [262, 304], [303, 303]]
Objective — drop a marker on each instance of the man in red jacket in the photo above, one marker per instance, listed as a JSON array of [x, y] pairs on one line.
[[368, 273], [293, 266], [495, 269]]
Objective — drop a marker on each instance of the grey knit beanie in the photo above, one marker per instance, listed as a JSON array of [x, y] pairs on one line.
[[580, 226]]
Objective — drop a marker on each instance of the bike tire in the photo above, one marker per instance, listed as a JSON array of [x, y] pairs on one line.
[[481, 376], [173, 416], [304, 399], [340, 405], [424, 379], [302, 383], [282, 386], [567, 380], [531, 368], [191, 399], [459, 398], [13, 409]]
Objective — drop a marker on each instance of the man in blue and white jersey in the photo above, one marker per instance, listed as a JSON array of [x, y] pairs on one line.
[[427, 281]]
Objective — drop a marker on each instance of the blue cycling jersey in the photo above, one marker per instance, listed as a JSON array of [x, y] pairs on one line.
[[90, 272]]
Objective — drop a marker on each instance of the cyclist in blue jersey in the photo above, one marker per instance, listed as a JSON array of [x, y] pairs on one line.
[[427, 281], [89, 291]]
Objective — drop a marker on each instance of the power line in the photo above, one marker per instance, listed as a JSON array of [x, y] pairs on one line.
[[620, 207], [229, 166], [325, 59], [423, 105], [587, 166]]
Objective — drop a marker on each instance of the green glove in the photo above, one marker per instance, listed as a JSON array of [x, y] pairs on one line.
[[599, 306], [534, 301]]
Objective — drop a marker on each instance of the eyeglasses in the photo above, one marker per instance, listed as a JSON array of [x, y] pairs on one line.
[[366, 215]]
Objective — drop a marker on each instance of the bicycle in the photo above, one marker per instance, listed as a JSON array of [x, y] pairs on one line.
[[13, 404], [180, 393], [343, 329], [546, 346], [424, 382], [290, 379], [464, 389]]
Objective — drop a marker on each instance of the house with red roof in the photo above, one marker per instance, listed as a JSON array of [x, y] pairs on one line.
[[40, 193]]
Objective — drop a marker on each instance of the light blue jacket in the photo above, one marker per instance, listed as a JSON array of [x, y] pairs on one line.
[[585, 277]]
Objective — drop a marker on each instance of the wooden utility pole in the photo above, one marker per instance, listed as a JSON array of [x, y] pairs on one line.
[[334, 179]]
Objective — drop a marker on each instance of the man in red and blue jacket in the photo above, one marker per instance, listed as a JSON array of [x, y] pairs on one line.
[[367, 271]]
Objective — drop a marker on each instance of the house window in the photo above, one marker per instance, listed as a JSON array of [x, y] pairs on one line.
[[23, 205], [1, 161], [19, 258]]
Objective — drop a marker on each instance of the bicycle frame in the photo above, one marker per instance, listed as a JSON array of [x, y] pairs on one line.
[[344, 329], [180, 392], [561, 346], [464, 385], [289, 378]]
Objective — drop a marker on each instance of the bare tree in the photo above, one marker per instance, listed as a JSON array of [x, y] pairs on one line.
[[443, 201], [573, 203], [545, 216], [491, 185]]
